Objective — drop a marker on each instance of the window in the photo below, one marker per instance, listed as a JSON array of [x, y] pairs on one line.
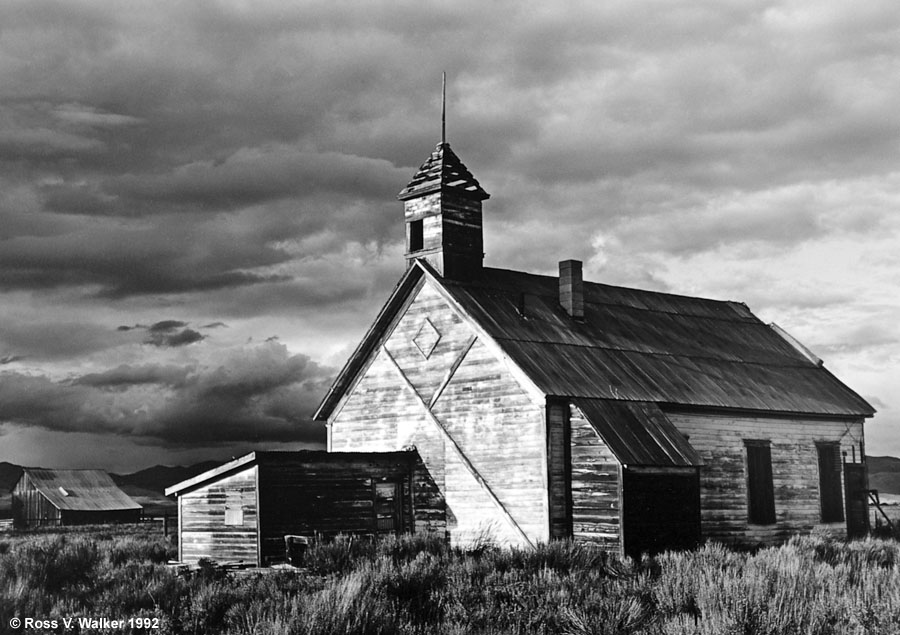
[[760, 488], [832, 507], [416, 235], [388, 506], [234, 510], [234, 516]]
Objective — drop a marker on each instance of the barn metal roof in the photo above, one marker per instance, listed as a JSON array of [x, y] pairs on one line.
[[646, 346], [79, 490], [443, 171]]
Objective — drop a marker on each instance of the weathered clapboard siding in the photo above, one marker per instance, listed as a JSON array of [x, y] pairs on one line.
[[202, 530], [719, 438], [381, 415], [486, 414], [501, 432], [595, 486]]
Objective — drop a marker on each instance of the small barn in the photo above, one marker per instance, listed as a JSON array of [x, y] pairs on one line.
[[43, 498], [547, 406], [242, 510]]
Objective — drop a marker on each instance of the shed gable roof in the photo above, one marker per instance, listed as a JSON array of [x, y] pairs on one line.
[[274, 457], [80, 490]]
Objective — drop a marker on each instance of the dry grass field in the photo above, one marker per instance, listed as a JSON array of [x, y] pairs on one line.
[[414, 584]]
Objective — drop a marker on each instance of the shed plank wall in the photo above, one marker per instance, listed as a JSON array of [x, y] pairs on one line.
[[203, 533], [308, 497], [595, 486], [485, 411], [723, 480]]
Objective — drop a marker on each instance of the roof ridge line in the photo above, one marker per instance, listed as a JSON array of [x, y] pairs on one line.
[[618, 286], [657, 354]]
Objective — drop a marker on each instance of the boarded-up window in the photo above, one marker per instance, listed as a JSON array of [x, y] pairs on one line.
[[559, 471], [832, 506], [234, 510], [416, 235], [388, 507], [234, 516], [760, 488]]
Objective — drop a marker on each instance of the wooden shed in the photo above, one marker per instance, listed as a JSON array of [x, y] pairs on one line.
[[551, 407], [70, 497], [242, 510]]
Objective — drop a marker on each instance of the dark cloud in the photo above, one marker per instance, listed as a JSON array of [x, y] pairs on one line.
[[167, 333], [174, 339], [127, 376], [166, 326], [257, 393], [9, 359]]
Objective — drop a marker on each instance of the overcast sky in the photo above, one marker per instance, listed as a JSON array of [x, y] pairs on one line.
[[198, 214]]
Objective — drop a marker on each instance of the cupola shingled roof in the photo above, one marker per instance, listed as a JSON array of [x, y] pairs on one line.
[[443, 171]]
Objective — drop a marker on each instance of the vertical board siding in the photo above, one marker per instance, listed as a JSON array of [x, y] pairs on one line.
[[202, 529], [489, 416], [719, 439], [30, 508], [595, 486]]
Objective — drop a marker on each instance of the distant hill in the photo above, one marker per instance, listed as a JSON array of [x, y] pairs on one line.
[[159, 477], [148, 486], [9, 476], [884, 474]]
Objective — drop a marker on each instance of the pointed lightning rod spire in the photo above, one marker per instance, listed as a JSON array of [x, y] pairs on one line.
[[443, 107]]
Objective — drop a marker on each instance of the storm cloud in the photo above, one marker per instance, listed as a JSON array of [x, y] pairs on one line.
[[227, 163], [255, 393]]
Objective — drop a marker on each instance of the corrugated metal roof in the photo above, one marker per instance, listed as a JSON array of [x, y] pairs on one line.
[[639, 345], [638, 433], [80, 490], [443, 171]]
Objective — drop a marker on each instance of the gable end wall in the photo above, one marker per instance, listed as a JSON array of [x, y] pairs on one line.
[[497, 425], [202, 532]]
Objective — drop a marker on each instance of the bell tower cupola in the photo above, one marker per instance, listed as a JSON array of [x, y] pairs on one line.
[[442, 208]]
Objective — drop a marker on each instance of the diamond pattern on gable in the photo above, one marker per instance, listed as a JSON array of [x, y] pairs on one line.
[[427, 338]]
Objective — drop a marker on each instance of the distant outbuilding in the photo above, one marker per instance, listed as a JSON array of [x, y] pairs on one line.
[[43, 498]]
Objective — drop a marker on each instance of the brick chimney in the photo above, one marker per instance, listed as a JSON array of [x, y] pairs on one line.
[[571, 288]]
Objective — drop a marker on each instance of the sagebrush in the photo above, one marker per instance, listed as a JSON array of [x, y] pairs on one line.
[[417, 585]]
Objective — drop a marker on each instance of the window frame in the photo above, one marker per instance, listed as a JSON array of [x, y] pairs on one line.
[[760, 482], [416, 235], [831, 490]]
